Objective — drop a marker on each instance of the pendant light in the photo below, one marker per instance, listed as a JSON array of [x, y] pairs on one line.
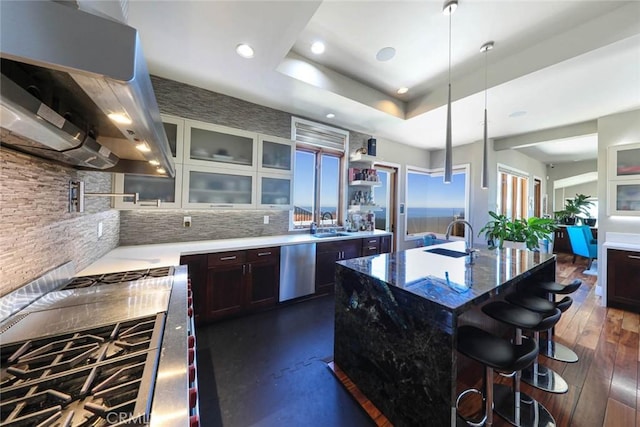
[[449, 8], [485, 169]]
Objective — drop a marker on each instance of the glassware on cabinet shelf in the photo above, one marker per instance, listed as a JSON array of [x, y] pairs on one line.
[[206, 187], [276, 156], [275, 191], [211, 146]]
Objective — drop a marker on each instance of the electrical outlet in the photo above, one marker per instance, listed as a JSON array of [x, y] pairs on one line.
[[186, 221], [265, 219], [100, 229]]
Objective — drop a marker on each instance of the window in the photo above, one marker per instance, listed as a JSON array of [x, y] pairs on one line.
[[318, 174], [512, 193], [432, 204]]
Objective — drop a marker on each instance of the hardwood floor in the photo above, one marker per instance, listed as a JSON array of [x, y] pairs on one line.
[[604, 387]]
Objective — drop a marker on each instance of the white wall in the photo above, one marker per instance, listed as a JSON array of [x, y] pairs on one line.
[[616, 129], [398, 155]]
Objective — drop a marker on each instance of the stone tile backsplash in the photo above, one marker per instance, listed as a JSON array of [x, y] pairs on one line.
[[37, 231], [165, 226]]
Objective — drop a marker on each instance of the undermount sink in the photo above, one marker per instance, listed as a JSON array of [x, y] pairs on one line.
[[325, 235], [447, 252]]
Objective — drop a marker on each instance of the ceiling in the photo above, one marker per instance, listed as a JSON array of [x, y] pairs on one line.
[[554, 63]]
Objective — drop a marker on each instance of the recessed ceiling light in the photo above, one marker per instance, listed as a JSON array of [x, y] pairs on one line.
[[144, 147], [517, 113], [161, 170], [450, 7], [385, 54], [154, 162], [402, 90], [330, 116], [120, 118], [317, 48], [244, 50]]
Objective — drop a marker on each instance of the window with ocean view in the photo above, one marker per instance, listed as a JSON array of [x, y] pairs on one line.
[[318, 174], [431, 205]]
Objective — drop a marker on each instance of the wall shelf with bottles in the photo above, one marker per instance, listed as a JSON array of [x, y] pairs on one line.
[[364, 159], [364, 208]]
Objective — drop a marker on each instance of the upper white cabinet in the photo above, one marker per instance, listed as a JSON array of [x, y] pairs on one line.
[[276, 155], [205, 187], [216, 167], [275, 191], [174, 128], [150, 189], [219, 146]]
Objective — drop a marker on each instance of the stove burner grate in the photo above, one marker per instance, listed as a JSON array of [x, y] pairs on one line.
[[97, 377], [119, 277]]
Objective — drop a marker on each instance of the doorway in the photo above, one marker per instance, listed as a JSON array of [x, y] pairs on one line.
[[386, 197]]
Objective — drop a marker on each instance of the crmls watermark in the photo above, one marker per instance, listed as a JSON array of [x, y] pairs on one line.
[[126, 418]]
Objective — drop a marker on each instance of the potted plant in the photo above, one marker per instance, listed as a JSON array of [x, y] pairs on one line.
[[574, 207], [527, 231]]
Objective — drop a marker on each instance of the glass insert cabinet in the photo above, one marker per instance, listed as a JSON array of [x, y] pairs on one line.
[[624, 180], [216, 167], [221, 189]]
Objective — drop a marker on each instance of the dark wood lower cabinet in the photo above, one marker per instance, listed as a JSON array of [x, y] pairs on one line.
[[623, 279], [327, 253], [232, 283], [263, 280]]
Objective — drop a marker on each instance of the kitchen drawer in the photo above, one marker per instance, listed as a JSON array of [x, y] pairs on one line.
[[370, 246], [226, 258], [263, 254]]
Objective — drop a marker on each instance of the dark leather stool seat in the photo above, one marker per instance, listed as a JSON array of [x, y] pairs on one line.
[[494, 353], [559, 288], [531, 302], [549, 347], [513, 405]]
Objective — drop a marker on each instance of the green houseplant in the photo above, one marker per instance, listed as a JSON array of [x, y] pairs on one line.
[[574, 207], [529, 231]]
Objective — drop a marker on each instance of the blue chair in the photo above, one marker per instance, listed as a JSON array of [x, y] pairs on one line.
[[582, 242]]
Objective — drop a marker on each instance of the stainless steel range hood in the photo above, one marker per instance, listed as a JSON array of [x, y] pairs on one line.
[[64, 73]]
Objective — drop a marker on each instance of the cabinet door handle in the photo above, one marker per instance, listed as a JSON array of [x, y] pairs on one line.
[[634, 256], [244, 269], [228, 258], [264, 253], [372, 241], [371, 248], [249, 268]]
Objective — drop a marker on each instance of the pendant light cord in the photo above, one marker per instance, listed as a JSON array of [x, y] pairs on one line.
[[450, 48], [485, 78]]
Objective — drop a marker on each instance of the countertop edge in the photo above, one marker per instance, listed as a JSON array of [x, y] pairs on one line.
[[134, 257]]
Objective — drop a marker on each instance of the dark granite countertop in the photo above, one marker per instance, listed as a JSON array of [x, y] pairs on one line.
[[454, 283]]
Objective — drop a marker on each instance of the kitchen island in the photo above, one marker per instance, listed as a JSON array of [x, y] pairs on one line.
[[397, 315]]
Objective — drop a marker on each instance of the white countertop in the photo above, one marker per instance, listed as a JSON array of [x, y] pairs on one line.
[[625, 241], [125, 258]]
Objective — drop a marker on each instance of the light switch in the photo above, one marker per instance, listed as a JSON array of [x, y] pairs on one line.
[[186, 221], [100, 229], [266, 219]]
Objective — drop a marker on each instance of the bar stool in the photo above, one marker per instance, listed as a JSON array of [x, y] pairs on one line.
[[549, 347], [511, 404], [494, 353]]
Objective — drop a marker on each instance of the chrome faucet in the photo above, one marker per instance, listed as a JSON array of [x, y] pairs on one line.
[[324, 215], [450, 226]]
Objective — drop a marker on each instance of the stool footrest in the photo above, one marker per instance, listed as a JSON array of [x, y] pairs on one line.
[[557, 351], [545, 379], [531, 413], [472, 423]]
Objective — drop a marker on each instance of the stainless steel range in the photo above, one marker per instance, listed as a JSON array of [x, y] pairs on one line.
[[100, 351]]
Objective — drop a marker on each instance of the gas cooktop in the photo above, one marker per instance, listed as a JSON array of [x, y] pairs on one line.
[[94, 377]]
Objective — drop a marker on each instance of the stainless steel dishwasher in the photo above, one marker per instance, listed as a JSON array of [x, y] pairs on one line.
[[297, 270]]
